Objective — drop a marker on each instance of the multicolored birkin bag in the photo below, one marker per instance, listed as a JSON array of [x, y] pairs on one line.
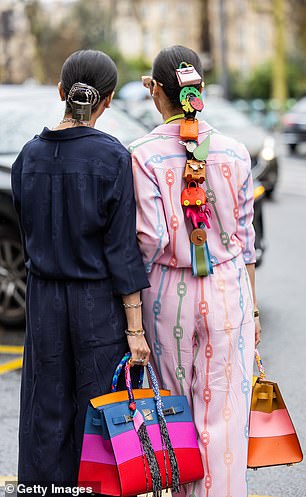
[[272, 437], [139, 441]]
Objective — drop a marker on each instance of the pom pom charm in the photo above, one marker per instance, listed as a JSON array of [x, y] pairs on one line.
[[132, 406]]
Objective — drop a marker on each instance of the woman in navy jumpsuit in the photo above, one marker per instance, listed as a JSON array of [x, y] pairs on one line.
[[73, 192]]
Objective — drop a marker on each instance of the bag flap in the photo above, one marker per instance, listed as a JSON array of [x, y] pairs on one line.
[[148, 415], [176, 407], [266, 397], [112, 398]]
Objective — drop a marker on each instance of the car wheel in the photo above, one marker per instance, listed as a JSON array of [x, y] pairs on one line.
[[292, 147], [12, 278]]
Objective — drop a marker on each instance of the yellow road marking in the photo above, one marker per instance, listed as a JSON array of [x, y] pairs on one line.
[[11, 365], [3, 479], [11, 349]]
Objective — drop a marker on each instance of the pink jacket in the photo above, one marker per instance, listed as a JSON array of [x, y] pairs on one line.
[[162, 226]]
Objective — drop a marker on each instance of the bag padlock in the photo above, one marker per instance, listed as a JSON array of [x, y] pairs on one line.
[[195, 170], [193, 195]]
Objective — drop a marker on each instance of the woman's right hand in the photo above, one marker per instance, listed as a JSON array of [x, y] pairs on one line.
[[139, 349]]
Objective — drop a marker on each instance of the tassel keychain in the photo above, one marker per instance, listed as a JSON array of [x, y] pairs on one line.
[[166, 442], [144, 438], [200, 255]]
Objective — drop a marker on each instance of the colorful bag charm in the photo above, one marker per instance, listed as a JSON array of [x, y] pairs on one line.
[[191, 100], [189, 129], [195, 170], [187, 75], [193, 195], [200, 259], [199, 216], [201, 152], [200, 255]]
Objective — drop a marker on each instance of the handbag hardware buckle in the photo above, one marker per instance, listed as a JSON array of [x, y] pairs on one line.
[[169, 411], [128, 418], [147, 414]]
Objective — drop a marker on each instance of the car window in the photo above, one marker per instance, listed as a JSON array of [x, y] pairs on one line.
[[300, 106], [26, 112], [222, 115]]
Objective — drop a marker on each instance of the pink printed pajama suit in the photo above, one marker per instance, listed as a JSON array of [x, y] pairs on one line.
[[201, 329]]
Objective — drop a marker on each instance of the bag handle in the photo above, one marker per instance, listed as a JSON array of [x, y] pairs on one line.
[[118, 370], [139, 425], [155, 387], [261, 369]]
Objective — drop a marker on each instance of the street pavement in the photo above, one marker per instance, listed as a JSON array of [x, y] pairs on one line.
[[281, 293]]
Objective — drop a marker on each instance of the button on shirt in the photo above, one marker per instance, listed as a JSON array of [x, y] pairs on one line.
[[73, 192]]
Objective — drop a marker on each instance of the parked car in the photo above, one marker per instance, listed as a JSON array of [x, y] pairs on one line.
[[26, 111], [294, 125], [223, 116]]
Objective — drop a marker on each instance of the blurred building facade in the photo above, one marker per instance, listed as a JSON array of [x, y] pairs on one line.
[[247, 31], [143, 28], [225, 32], [16, 43]]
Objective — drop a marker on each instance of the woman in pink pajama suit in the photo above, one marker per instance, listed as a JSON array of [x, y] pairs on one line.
[[201, 330]]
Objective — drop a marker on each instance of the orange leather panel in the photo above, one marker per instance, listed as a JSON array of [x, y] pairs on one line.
[[272, 451], [111, 398]]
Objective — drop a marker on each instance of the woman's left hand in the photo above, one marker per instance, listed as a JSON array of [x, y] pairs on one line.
[[257, 331], [139, 349]]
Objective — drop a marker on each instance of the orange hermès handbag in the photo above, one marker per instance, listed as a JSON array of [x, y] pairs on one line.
[[272, 438]]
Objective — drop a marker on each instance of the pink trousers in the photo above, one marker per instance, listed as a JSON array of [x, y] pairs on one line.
[[201, 333]]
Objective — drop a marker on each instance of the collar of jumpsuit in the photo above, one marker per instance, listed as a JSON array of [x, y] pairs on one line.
[[173, 129], [68, 133]]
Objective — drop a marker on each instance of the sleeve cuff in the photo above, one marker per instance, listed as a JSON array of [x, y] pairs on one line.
[[128, 281]]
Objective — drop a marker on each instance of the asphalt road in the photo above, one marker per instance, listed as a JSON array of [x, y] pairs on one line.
[[281, 290]]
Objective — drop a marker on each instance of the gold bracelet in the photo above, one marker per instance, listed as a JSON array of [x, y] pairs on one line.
[[256, 313], [135, 333], [132, 306]]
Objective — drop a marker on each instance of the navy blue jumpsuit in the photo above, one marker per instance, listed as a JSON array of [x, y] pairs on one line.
[[73, 191]]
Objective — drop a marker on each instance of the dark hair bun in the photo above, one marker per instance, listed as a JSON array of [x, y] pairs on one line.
[[93, 69], [165, 65]]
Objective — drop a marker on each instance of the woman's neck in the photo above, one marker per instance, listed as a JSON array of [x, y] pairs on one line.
[[69, 122], [171, 113]]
